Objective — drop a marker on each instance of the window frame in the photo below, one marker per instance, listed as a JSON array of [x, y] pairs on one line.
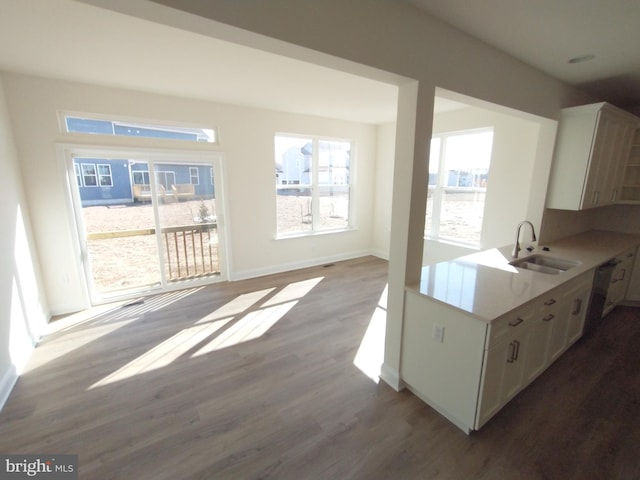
[[437, 191], [102, 176], [84, 175], [164, 173], [124, 122], [144, 174], [78, 173], [192, 176], [315, 186]]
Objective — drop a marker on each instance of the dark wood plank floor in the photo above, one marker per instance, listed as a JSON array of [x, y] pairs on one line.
[[193, 384]]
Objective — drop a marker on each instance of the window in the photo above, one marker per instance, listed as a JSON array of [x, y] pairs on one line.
[[458, 175], [166, 179], [194, 175], [104, 176], [141, 177], [89, 176], [75, 124], [313, 184]]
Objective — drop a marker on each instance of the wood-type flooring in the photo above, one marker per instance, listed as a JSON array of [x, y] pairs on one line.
[[256, 380]]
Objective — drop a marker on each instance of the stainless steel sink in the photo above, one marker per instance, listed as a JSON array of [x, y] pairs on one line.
[[544, 264]]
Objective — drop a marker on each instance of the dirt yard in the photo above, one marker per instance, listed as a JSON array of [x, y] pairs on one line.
[[126, 262], [122, 263]]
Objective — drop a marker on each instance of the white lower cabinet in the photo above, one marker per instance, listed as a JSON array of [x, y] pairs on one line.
[[468, 369], [538, 334], [575, 305], [503, 368], [547, 324], [619, 280]]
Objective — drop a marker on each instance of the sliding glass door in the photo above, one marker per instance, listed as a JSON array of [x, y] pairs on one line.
[[146, 221]]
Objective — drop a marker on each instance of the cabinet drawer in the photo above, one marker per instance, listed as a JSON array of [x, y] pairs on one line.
[[506, 326], [549, 303]]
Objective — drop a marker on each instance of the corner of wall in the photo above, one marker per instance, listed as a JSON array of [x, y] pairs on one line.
[[7, 382]]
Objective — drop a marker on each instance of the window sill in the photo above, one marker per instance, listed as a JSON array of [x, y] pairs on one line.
[[470, 246], [314, 234]]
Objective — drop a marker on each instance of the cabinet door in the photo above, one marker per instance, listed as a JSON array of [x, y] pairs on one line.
[[619, 280], [503, 369], [624, 132], [503, 376], [591, 153], [633, 285], [515, 355], [611, 144], [577, 302], [491, 398], [547, 320]]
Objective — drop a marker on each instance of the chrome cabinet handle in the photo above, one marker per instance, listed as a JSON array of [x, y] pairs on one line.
[[512, 355], [549, 317], [550, 301], [517, 349], [516, 322], [624, 272], [577, 306]]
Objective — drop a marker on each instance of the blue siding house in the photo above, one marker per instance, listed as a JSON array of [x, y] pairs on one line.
[[104, 181]]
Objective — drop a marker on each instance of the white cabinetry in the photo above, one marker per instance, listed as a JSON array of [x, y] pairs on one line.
[[619, 280], [442, 369], [547, 317], [503, 372], [575, 302], [468, 369], [631, 182], [591, 154]]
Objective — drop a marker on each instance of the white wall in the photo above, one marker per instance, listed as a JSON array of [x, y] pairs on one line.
[[246, 140], [23, 305], [384, 189], [394, 37], [512, 183]]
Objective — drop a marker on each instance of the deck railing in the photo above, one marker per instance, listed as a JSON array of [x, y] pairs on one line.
[[189, 250]]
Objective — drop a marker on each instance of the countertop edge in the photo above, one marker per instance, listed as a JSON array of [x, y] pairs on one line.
[[590, 249]]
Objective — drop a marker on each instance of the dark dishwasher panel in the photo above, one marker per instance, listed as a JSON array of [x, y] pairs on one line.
[[598, 296]]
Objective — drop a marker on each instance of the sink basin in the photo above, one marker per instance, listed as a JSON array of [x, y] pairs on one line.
[[544, 264]]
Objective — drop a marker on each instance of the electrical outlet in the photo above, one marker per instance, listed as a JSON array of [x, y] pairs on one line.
[[438, 333]]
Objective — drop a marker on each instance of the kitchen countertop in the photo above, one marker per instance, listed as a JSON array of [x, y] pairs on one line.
[[485, 286]]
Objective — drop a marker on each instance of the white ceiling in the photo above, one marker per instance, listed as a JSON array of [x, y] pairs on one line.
[[75, 41], [547, 33]]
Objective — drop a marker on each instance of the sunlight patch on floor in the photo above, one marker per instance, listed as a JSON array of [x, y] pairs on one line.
[[253, 325], [240, 320], [87, 326], [165, 353], [237, 306], [370, 355]]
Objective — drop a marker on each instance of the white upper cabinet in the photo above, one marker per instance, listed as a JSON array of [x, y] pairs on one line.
[[590, 157], [631, 182]]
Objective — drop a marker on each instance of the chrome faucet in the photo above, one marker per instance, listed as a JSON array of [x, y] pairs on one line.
[[516, 247]]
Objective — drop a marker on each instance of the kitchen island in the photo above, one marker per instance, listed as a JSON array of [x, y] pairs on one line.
[[477, 330]]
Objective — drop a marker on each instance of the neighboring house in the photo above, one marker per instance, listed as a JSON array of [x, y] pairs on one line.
[[295, 168], [104, 181]]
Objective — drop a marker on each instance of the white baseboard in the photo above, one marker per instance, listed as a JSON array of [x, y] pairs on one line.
[[391, 377], [313, 262], [7, 382]]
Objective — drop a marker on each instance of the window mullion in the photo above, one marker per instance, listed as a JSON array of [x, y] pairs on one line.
[[315, 198], [438, 194]]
